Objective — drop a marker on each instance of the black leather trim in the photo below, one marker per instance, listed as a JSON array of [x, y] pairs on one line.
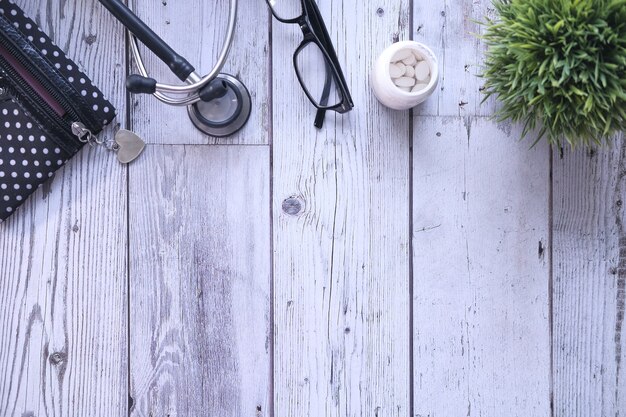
[[54, 78]]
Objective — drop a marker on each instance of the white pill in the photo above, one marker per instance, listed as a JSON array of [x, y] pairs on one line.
[[410, 72], [422, 71], [401, 54], [410, 60], [404, 82], [397, 70], [418, 56], [407, 89], [418, 87]]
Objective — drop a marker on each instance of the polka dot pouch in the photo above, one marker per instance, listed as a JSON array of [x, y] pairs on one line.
[[48, 108]]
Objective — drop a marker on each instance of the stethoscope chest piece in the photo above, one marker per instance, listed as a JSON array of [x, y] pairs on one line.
[[224, 108]]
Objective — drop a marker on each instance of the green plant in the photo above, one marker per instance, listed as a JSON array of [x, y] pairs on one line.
[[559, 64]]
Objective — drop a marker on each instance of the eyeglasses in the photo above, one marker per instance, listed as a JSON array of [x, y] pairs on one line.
[[315, 60]]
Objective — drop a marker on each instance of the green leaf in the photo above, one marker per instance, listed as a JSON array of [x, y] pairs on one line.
[[588, 104], [560, 63]]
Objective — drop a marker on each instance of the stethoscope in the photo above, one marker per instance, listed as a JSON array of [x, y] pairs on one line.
[[218, 104]]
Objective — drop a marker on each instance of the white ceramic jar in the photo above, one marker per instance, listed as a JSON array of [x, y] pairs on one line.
[[393, 96]]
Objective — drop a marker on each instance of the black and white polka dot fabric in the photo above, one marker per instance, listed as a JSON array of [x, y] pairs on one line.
[[27, 157], [30, 150]]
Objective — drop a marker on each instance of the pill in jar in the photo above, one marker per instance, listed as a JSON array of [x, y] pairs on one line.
[[409, 71]]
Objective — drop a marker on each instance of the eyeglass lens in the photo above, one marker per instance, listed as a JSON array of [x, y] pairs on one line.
[[317, 76], [286, 9]]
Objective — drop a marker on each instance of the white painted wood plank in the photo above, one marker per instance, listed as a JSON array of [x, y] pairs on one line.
[[481, 270], [449, 28], [196, 29], [63, 257], [341, 261], [200, 278], [590, 282]]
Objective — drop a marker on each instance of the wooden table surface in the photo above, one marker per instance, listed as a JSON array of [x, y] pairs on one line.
[[423, 264]]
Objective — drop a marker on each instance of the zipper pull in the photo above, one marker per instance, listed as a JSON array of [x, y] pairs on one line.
[[5, 94], [127, 145]]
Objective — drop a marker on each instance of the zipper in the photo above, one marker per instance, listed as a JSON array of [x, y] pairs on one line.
[[51, 104], [18, 53], [127, 145], [25, 94]]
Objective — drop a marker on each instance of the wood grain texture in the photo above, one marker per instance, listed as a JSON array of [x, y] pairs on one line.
[[196, 29], [449, 28], [590, 282], [341, 198], [481, 265], [200, 278], [63, 257], [198, 244]]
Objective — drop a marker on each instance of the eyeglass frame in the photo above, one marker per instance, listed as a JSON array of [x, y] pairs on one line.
[[317, 33]]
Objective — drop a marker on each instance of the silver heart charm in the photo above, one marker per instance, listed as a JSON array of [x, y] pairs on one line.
[[129, 146]]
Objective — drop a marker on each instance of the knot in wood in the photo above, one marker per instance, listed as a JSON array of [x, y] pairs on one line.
[[57, 358], [292, 206], [90, 39]]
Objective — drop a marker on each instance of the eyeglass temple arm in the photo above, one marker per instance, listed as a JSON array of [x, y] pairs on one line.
[[179, 65], [321, 113], [319, 118]]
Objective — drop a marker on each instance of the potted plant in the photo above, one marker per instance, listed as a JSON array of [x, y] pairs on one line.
[[560, 66]]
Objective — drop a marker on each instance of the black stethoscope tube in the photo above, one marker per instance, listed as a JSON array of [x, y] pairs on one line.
[[207, 96], [179, 65]]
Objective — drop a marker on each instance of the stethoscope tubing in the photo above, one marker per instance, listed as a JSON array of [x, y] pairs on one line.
[[194, 81], [164, 98]]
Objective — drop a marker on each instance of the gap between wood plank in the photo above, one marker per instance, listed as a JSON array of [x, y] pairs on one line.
[[551, 278], [129, 123], [270, 97], [411, 225]]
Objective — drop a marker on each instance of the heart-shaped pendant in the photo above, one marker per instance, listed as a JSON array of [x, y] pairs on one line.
[[129, 146]]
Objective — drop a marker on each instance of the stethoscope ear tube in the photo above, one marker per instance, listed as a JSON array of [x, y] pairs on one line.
[[138, 29], [179, 65], [137, 84], [218, 104]]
